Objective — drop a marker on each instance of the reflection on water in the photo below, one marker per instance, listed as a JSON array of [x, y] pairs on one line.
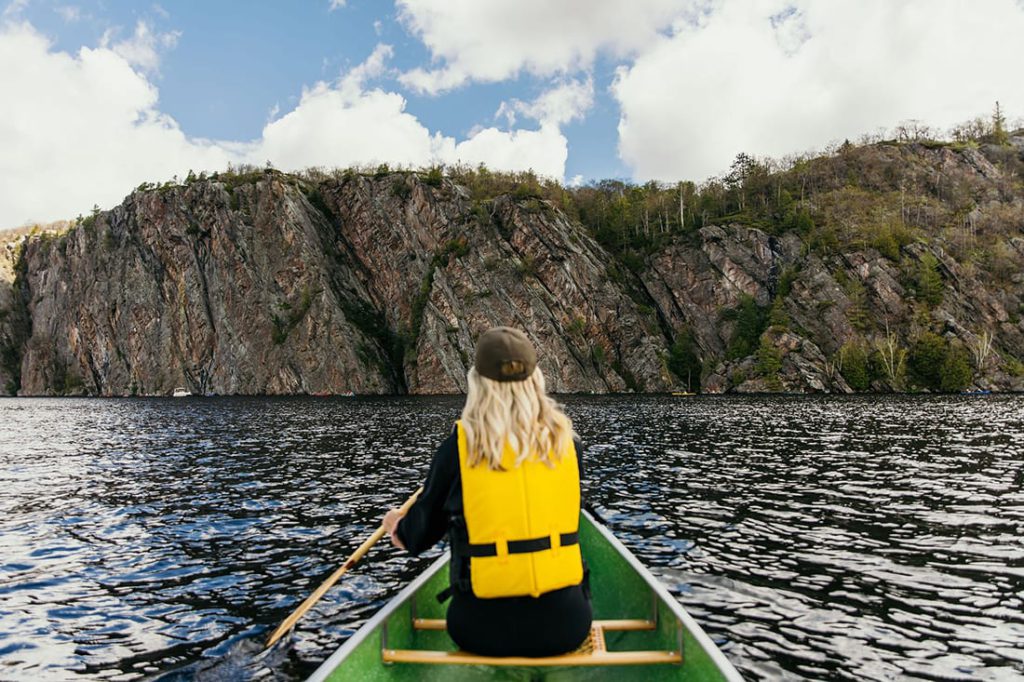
[[813, 538]]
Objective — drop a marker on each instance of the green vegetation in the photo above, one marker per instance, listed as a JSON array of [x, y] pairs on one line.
[[925, 360], [928, 284], [10, 360], [316, 199], [956, 373], [372, 324], [751, 321], [857, 312], [856, 365], [1000, 135], [244, 174], [778, 319], [419, 307], [434, 177], [683, 360], [284, 324], [935, 364], [453, 248], [400, 188], [527, 266], [786, 279], [457, 247], [769, 362], [1014, 367]]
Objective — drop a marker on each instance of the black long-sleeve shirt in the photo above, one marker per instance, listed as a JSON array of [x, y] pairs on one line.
[[427, 520]]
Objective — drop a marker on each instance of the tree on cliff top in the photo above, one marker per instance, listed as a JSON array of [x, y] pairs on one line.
[[999, 134]]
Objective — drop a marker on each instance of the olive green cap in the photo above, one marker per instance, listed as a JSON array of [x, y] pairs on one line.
[[505, 354]]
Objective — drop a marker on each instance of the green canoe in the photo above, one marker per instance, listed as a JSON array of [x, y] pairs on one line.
[[640, 632]]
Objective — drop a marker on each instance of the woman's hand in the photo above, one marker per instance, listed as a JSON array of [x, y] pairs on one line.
[[390, 524]]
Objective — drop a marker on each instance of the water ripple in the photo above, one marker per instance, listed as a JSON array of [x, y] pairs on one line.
[[813, 538]]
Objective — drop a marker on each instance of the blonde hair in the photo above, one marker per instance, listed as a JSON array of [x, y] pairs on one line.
[[519, 412]]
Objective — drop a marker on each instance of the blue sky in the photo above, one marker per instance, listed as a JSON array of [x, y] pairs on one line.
[[99, 95], [233, 63]]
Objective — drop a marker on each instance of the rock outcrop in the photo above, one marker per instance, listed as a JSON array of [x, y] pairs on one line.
[[269, 283], [274, 286]]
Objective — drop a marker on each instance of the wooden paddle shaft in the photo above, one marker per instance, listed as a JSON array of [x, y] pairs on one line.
[[288, 622]]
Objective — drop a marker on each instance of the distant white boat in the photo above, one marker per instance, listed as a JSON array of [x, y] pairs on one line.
[[181, 393]]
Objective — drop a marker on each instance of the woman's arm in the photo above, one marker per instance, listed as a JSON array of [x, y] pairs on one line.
[[427, 520]]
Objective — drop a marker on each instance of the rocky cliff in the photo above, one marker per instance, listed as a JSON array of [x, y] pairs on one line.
[[273, 285], [264, 282]]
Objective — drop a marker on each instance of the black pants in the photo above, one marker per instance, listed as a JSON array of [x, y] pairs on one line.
[[548, 625]]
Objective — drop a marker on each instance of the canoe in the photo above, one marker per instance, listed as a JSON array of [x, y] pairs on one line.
[[640, 632]]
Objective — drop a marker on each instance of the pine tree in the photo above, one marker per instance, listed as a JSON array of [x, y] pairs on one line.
[[999, 134]]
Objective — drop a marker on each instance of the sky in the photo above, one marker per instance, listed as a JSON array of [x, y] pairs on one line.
[[98, 96]]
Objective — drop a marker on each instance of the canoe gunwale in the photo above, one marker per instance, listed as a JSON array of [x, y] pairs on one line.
[[685, 619], [378, 620]]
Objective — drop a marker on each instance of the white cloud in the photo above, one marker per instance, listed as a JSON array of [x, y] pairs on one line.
[[83, 129], [543, 151], [774, 77], [334, 126], [561, 104], [346, 123], [495, 40], [374, 67], [69, 13], [143, 48], [14, 8], [78, 130], [336, 4]]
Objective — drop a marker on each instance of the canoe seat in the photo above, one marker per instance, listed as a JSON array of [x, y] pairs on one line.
[[591, 652]]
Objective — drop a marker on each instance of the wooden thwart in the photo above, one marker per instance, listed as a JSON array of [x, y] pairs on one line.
[[606, 625], [591, 652]]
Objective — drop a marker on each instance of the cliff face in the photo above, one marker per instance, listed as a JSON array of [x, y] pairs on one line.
[[179, 289], [831, 301], [12, 324], [275, 286], [270, 283]]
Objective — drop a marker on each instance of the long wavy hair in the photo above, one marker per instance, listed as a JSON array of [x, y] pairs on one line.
[[519, 412]]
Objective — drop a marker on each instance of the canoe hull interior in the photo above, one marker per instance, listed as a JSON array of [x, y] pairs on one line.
[[621, 589]]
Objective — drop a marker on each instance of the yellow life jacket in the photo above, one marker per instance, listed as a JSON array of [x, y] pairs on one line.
[[523, 523]]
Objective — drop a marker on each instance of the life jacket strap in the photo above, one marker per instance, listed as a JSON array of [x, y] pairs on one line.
[[522, 546]]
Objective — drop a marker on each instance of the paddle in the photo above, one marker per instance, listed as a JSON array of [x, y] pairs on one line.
[[288, 622]]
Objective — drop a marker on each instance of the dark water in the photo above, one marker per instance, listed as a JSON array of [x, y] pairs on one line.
[[813, 538]]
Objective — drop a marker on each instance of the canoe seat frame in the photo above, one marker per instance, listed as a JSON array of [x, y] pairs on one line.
[[598, 654]]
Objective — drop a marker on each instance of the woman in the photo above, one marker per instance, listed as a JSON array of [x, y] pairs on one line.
[[505, 487]]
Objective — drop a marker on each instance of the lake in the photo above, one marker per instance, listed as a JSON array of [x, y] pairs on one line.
[[812, 537]]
